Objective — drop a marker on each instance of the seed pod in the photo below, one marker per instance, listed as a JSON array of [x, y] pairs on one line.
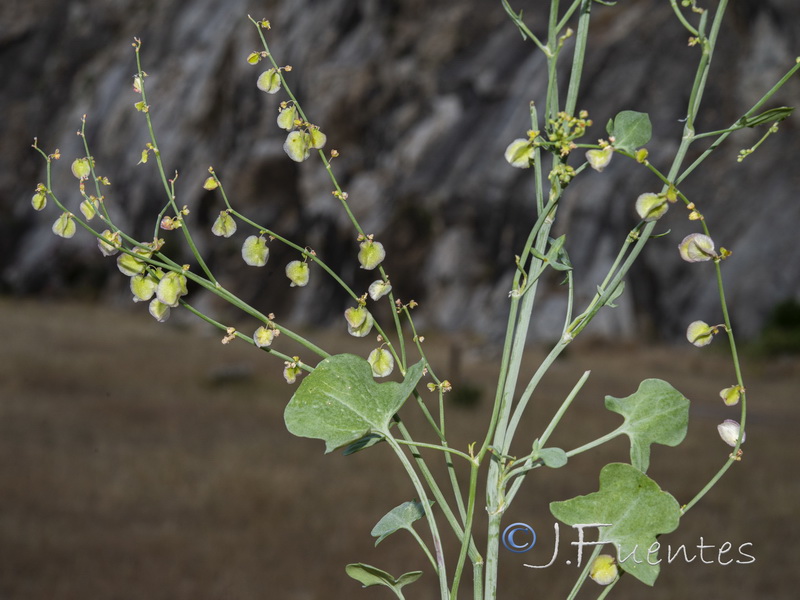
[[731, 395], [520, 153], [89, 209], [269, 81], [224, 226], [729, 432], [158, 310], [599, 159], [700, 333], [108, 242], [378, 289], [381, 361], [359, 321], [39, 201], [287, 117], [171, 287], [651, 207], [697, 247], [297, 272], [604, 569], [64, 226], [355, 316], [210, 184], [263, 336], [81, 168], [316, 139], [297, 146], [129, 265], [290, 372], [371, 254], [143, 286], [255, 251]]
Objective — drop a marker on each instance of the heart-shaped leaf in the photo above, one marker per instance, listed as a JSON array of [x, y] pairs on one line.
[[656, 413], [340, 402], [635, 509], [630, 130]]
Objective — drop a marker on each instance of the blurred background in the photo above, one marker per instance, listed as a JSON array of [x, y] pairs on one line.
[[144, 460]]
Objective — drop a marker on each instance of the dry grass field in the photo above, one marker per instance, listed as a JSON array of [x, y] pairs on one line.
[[141, 461]]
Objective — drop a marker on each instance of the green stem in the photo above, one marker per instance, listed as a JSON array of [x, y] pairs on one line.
[[584, 574], [734, 456], [578, 57], [242, 336], [423, 545], [523, 29], [598, 442], [164, 180], [682, 19], [462, 557], [340, 194], [416, 444], [436, 491], [441, 570], [753, 110], [563, 408]]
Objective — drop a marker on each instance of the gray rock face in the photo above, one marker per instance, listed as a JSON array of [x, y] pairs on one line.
[[420, 99]]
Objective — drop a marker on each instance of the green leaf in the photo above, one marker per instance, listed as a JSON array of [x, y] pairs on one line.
[[367, 575], [400, 517], [614, 295], [656, 413], [553, 457], [340, 402], [636, 511], [773, 115], [630, 129]]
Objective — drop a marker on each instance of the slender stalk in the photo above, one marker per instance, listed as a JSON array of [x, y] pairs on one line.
[[441, 569], [159, 162], [584, 574], [462, 557]]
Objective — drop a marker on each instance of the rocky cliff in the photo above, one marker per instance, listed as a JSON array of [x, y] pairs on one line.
[[420, 97]]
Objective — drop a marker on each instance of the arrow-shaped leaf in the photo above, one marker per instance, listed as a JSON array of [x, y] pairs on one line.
[[400, 517], [340, 402], [636, 511], [656, 413], [367, 575]]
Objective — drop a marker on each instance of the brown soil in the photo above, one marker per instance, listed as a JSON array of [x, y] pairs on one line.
[[146, 461]]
